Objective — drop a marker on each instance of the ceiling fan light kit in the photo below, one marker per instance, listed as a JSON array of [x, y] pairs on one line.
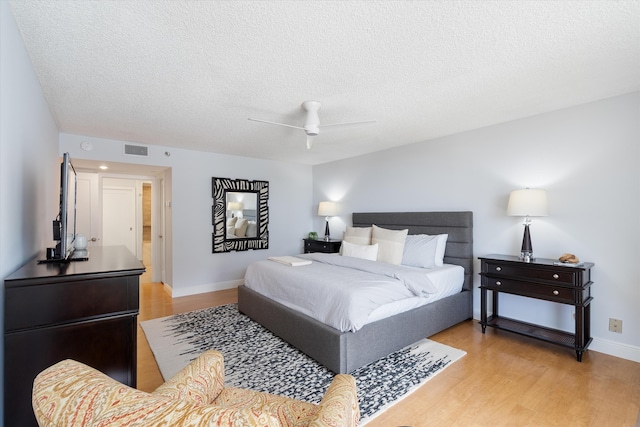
[[312, 122]]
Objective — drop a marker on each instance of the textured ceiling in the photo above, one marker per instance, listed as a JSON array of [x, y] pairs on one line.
[[190, 73]]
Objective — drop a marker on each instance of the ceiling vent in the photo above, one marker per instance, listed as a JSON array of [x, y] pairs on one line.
[[136, 150]]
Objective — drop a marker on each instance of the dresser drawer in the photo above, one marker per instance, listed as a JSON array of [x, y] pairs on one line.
[[521, 270], [59, 303], [534, 290]]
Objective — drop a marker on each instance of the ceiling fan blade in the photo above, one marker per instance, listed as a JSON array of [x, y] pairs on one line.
[[350, 123], [275, 123]]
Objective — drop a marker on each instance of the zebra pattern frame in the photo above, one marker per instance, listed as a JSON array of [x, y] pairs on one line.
[[219, 189]]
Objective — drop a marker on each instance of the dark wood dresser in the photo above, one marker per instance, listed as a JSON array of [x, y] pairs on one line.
[[540, 279], [316, 245], [82, 310]]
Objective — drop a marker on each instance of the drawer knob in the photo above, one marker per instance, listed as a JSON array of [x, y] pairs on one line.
[[498, 268], [498, 283], [555, 292], [555, 276]]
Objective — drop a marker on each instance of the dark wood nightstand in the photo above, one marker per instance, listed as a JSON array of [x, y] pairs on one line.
[[539, 279], [328, 247]]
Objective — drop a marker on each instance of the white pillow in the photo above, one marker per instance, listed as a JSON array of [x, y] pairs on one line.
[[358, 235], [391, 244], [252, 229], [241, 227], [369, 252], [420, 251], [231, 222], [424, 250], [442, 245]]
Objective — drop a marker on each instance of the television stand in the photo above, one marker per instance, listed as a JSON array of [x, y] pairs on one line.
[[86, 311]]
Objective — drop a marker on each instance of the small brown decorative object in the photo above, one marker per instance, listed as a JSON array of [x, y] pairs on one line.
[[569, 258]]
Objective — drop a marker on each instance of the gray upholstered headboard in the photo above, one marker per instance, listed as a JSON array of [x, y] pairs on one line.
[[458, 225]]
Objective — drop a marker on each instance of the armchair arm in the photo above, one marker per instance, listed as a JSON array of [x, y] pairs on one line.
[[72, 394], [339, 406], [199, 382]]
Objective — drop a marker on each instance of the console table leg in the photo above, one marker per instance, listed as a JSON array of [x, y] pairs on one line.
[[483, 308], [579, 355]]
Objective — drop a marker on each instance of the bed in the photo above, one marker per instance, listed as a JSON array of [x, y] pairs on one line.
[[343, 352]]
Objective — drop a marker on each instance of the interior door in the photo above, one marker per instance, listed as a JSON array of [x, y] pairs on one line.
[[119, 225], [88, 208]]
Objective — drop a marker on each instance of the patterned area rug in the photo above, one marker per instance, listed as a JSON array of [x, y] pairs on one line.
[[254, 358]]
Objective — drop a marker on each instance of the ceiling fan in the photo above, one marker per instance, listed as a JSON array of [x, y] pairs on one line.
[[312, 122]]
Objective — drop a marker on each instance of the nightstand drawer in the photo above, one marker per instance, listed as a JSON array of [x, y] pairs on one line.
[[329, 247], [534, 290], [521, 270]]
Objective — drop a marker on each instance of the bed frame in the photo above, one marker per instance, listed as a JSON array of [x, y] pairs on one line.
[[343, 352]]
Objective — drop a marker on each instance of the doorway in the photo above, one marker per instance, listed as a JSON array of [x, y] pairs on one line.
[[125, 210]]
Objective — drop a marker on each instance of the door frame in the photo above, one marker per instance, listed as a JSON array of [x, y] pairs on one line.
[[158, 222]]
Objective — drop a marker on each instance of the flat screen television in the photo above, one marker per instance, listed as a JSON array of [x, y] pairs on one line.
[[67, 214], [64, 226]]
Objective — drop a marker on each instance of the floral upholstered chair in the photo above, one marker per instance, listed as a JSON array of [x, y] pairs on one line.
[[72, 394]]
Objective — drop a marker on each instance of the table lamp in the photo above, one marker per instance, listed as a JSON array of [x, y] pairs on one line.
[[327, 209], [527, 203], [234, 206]]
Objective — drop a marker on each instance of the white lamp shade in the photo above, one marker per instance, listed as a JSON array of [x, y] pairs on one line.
[[528, 203], [327, 209], [234, 206]]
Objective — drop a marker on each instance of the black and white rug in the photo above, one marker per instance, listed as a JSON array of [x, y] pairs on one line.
[[256, 359]]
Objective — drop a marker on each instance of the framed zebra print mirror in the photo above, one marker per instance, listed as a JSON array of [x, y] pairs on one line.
[[240, 214]]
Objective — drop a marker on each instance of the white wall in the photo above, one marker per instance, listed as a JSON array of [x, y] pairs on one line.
[[586, 157], [192, 268], [29, 164]]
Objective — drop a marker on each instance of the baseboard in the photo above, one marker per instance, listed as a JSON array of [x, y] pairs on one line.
[[200, 289], [616, 349]]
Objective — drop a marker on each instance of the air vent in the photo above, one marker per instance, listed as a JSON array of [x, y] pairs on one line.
[[136, 150]]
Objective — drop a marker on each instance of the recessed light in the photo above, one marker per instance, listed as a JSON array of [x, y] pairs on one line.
[[104, 167]]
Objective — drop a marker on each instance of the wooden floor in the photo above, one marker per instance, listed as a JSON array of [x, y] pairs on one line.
[[504, 380]]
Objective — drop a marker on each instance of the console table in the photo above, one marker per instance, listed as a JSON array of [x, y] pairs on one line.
[[81, 310], [540, 279]]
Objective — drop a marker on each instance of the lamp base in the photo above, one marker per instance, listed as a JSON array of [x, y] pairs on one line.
[[327, 235], [526, 253], [526, 256]]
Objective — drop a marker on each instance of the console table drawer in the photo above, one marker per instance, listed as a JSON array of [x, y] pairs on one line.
[[566, 277], [533, 290]]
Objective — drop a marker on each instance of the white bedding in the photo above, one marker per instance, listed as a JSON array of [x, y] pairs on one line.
[[347, 293]]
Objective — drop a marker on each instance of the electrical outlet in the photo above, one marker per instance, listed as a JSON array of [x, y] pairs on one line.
[[615, 325]]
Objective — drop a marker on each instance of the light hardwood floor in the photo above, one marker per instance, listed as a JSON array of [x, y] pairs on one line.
[[504, 380]]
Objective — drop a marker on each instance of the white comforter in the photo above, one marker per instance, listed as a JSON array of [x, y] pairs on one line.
[[345, 292]]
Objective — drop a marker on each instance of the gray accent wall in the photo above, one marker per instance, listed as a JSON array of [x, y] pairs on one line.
[[586, 157]]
